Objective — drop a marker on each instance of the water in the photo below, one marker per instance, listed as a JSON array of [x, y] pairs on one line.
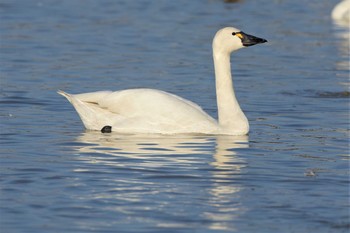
[[290, 175]]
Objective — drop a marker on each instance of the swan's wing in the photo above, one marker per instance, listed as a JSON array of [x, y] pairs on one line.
[[152, 104], [154, 111], [140, 110], [92, 97]]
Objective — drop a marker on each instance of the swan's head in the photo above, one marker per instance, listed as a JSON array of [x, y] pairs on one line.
[[229, 39]]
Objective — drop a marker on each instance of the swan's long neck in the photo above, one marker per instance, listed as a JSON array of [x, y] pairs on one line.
[[231, 117]]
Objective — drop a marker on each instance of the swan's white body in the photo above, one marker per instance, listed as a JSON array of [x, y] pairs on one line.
[[154, 111], [141, 111], [341, 12]]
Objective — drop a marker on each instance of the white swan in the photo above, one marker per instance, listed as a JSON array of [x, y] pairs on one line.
[[341, 12], [155, 111]]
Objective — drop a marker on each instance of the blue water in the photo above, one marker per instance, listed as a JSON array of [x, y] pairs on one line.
[[291, 174]]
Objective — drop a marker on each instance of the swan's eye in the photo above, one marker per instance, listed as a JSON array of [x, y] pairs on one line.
[[238, 34]]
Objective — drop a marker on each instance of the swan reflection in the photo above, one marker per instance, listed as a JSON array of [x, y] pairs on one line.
[[212, 160], [136, 144]]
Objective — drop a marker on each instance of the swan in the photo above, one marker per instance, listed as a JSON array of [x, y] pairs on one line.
[[154, 111], [341, 12]]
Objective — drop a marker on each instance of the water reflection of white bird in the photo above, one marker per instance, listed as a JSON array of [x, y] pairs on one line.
[[178, 151], [133, 145], [155, 111]]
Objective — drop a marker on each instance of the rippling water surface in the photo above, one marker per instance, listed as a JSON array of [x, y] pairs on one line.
[[291, 174]]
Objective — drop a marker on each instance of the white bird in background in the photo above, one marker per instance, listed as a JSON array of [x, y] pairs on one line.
[[155, 111], [341, 12]]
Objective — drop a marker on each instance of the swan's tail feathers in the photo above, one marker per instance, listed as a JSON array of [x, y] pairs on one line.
[[92, 116], [68, 96]]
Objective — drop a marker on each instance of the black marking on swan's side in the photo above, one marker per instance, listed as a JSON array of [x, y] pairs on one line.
[[106, 129]]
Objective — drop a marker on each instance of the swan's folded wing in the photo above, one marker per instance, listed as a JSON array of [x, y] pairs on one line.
[[92, 97], [153, 104], [141, 111]]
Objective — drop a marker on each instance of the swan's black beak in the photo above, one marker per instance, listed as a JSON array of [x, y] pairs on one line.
[[249, 40]]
